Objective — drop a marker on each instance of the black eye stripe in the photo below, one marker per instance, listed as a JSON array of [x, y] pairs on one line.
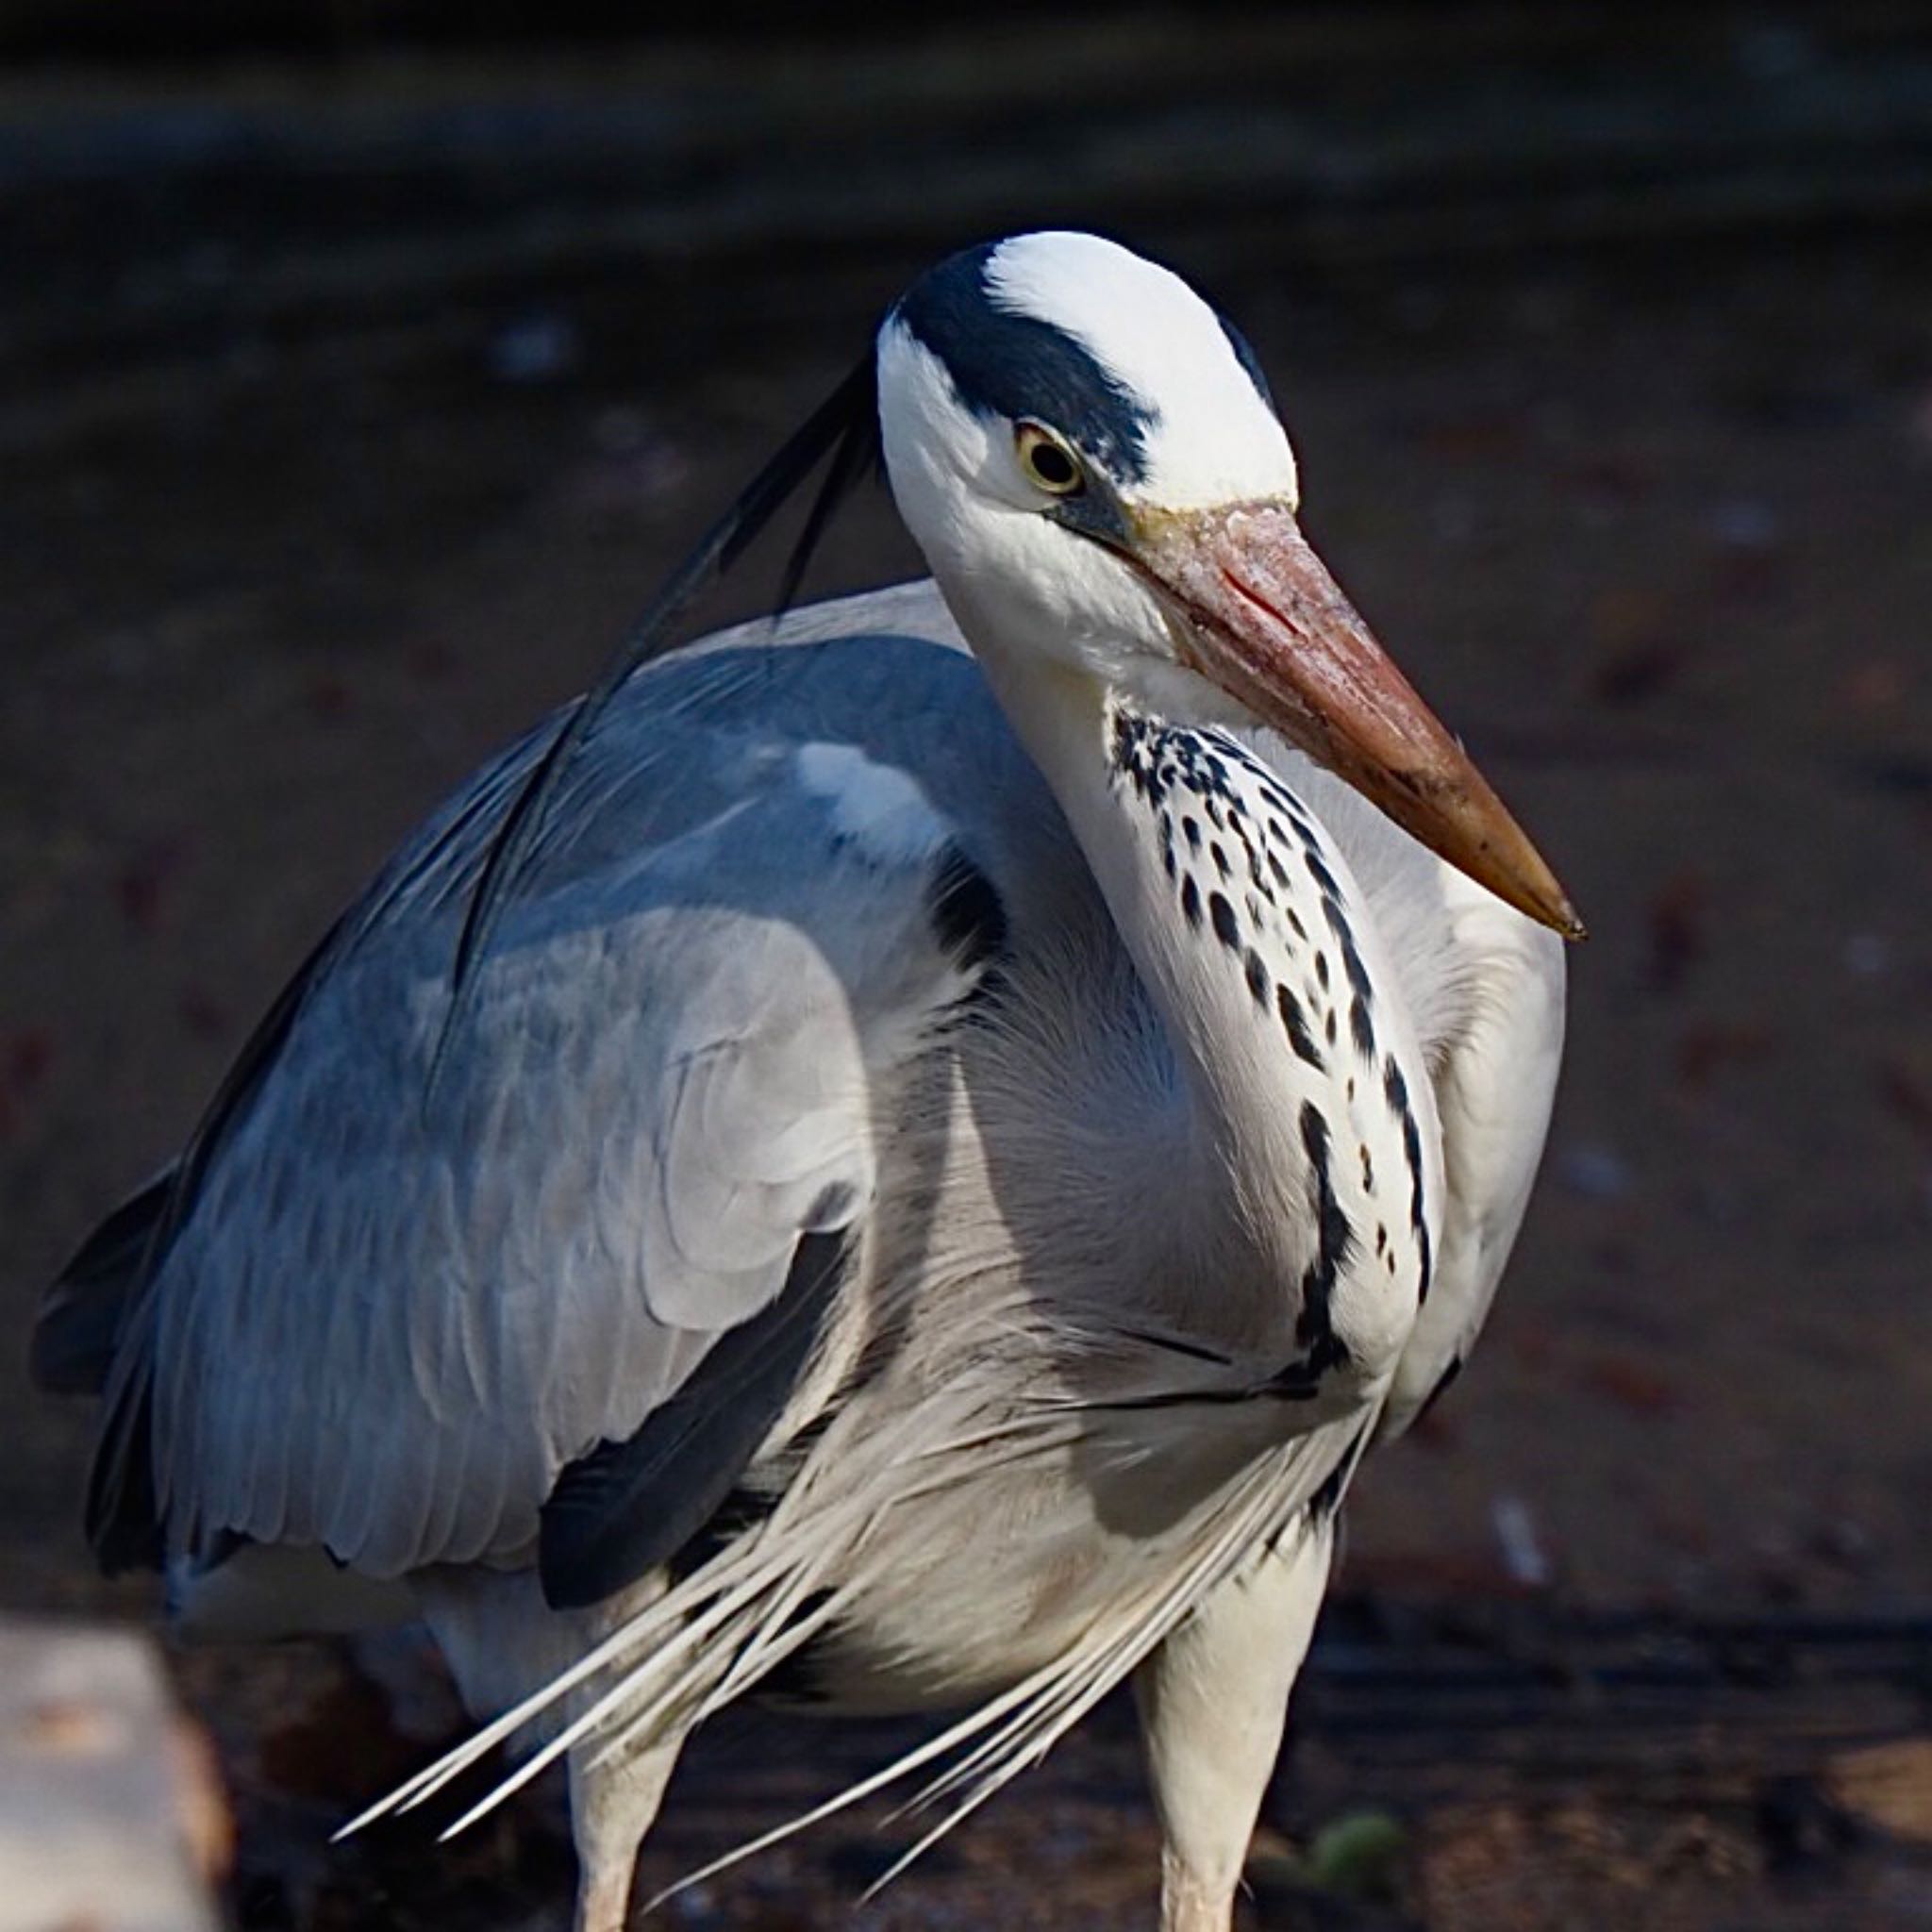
[[1002, 363]]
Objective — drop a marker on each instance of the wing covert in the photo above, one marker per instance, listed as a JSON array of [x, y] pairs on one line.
[[384, 1325]]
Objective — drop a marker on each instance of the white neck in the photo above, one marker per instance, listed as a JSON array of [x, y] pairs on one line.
[[1064, 717], [1278, 1005]]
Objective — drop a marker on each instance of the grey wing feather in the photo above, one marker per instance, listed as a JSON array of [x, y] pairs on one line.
[[619, 1512], [385, 1326], [79, 1329]]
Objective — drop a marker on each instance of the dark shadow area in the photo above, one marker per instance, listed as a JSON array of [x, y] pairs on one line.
[[363, 372]]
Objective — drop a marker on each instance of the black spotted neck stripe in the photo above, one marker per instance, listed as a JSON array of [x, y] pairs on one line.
[[1258, 885]]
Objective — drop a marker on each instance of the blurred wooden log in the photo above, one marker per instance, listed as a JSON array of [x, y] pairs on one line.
[[111, 1817], [1886, 1786]]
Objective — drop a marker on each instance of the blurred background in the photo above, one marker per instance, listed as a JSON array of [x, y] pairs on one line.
[[364, 364]]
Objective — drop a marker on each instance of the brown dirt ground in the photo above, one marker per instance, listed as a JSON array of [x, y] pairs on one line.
[[1650, 529]]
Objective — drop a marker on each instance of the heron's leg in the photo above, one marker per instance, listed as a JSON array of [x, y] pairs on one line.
[[612, 1805], [503, 1643], [1212, 1700]]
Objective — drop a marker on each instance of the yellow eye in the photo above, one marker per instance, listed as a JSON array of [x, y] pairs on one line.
[[1048, 463]]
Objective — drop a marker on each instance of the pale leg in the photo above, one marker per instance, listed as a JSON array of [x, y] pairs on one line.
[[502, 1644], [1213, 1699], [612, 1808]]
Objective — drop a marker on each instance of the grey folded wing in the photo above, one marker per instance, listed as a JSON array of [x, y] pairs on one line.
[[383, 1319]]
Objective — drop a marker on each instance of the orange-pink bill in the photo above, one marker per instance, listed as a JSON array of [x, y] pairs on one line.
[[1268, 624]]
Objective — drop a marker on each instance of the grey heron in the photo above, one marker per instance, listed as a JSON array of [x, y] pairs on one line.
[[959, 1116]]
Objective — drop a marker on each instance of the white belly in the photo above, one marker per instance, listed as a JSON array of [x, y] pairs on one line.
[[979, 1583]]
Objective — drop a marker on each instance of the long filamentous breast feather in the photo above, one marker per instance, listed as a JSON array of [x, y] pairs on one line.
[[710, 1639]]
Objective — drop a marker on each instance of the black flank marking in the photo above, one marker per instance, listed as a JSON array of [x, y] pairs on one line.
[[1328, 1026], [1428, 1272], [1334, 1238], [1351, 958], [1009, 364], [1320, 873], [1412, 1150], [1191, 901], [1327, 1496], [1258, 977], [1295, 1021], [1297, 1381], [1280, 875], [1359, 1026], [1227, 928], [1321, 970], [1220, 858], [1285, 801], [1216, 817], [1167, 860], [1191, 828], [625, 1507], [1368, 1169], [742, 1510], [1295, 925], [799, 1680], [795, 1680], [1183, 1398], [965, 910], [1394, 1088], [1381, 1240], [1177, 1344], [1314, 1126]]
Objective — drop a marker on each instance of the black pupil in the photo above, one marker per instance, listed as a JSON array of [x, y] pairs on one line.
[[1053, 465]]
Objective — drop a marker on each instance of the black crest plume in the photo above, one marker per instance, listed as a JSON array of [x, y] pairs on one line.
[[844, 428]]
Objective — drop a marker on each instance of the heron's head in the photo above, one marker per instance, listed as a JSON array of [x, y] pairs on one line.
[[1087, 453]]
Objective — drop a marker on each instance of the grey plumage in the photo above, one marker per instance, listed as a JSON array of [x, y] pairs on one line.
[[938, 1165], [464, 1298], [539, 1257]]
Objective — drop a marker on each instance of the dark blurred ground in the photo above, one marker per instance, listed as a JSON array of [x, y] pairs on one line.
[[347, 411]]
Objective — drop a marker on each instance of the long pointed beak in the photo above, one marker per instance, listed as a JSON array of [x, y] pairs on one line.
[[1264, 620]]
